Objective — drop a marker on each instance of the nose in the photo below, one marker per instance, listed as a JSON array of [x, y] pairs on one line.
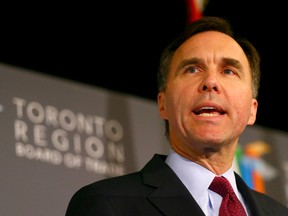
[[210, 83]]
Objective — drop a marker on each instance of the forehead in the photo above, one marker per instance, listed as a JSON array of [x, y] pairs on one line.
[[211, 46]]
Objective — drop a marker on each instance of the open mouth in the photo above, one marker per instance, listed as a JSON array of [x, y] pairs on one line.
[[209, 111]]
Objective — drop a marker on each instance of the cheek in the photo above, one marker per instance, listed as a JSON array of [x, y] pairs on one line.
[[171, 105], [174, 99], [166, 102], [245, 110], [168, 105]]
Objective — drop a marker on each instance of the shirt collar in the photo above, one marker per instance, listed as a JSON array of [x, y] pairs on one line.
[[190, 172]]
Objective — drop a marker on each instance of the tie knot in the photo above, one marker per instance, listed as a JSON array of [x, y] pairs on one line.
[[221, 186], [230, 205]]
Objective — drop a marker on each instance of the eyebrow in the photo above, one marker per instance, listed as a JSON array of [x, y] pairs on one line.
[[232, 62], [190, 61], [224, 61]]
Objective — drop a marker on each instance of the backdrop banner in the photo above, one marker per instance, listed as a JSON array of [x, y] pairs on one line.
[[262, 160], [58, 135]]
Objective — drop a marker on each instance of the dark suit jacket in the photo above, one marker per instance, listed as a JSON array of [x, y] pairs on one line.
[[155, 190]]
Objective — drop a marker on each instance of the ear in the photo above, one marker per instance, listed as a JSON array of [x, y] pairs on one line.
[[253, 112], [161, 105]]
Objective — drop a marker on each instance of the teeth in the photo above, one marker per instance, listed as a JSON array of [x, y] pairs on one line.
[[208, 114], [207, 108]]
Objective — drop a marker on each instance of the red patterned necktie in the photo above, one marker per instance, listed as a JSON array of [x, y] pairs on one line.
[[230, 205]]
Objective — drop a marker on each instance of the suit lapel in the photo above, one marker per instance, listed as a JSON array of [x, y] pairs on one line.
[[255, 208], [170, 196]]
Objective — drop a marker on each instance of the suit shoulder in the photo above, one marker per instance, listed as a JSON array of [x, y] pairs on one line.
[[112, 186], [97, 195], [270, 204]]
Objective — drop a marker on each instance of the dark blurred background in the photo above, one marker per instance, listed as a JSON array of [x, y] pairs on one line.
[[117, 44]]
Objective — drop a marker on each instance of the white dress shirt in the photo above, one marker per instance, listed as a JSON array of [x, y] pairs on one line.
[[190, 172]]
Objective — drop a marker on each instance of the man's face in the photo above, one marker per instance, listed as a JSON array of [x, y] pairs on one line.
[[208, 99]]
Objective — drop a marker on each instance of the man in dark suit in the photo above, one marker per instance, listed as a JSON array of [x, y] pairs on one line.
[[208, 84]]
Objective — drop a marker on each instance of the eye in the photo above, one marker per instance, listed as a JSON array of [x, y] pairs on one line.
[[191, 69], [229, 72]]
